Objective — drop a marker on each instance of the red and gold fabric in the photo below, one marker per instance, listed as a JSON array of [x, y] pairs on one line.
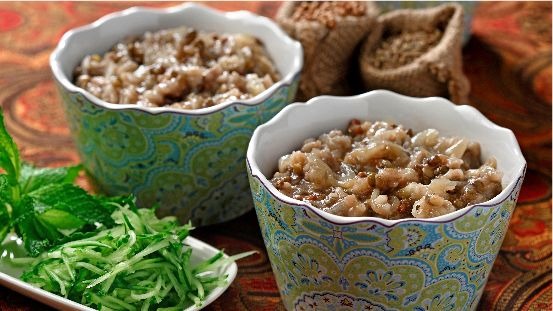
[[507, 60]]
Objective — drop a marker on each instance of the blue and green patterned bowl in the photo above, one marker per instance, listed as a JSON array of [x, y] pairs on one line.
[[327, 262], [190, 162]]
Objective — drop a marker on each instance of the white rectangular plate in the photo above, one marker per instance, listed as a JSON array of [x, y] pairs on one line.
[[9, 276]]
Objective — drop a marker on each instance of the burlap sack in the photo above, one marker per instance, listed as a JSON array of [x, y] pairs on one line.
[[328, 52], [438, 72]]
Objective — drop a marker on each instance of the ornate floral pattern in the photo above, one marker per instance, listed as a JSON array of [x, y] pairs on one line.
[[192, 166], [440, 302], [382, 282], [335, 302], [412, 265]]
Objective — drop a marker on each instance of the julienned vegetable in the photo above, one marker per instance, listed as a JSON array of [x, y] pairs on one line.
[[139, 264], [102, 252]]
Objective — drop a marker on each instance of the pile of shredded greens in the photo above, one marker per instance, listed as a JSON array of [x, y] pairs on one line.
[[139, 264], [99, 251]]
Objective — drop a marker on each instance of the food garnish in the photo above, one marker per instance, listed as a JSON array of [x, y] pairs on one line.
[[102, 252]]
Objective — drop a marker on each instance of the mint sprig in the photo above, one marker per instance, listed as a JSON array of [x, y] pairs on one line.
[[9, 154], [33, 178], [42, 204], [4, 213], [103, 252]]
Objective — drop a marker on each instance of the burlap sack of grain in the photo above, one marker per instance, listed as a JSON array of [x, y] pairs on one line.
[[438, 72], [328, 52]]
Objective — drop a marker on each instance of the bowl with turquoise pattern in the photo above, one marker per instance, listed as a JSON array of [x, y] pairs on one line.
[[323, 261], [191, 163]]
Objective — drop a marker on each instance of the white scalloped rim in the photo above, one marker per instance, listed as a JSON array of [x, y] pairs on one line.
[[106, 31], [296, 122]]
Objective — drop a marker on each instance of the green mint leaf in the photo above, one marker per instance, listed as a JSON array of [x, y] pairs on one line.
[[46, 230], [9, 155], [5, 225], [35, 246], [5, 189], [46, 216], [61, 219], [7, 165], [72, 199], [34, 234], [33, 178]]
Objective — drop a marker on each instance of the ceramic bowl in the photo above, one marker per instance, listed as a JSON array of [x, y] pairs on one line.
[[189, 162], [327, 262]]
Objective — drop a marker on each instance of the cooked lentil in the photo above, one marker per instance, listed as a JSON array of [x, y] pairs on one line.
[[181, 68], [386, 170]]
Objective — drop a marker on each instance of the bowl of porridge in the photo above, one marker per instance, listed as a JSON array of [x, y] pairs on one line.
[[162, 103], [383, 201]]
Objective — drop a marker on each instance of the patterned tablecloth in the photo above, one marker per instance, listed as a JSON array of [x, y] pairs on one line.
[[508, 61]]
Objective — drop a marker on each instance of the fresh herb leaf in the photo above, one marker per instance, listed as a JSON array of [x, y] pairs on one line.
[[71, 199], [45, 231], [32, 178], [51, 213], [9, 154], [5, 189], [33, 233], [61, 219], [7, 165], [5, 199], [10, 163], [5, 226], [6, 205], [42, 204]]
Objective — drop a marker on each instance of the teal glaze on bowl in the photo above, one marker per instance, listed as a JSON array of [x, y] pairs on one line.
[[192, 165], [327, 262], [190, 162], [414, 265]]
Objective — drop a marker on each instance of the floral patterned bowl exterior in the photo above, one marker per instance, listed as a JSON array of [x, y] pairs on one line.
[[190, 162], [327, 262]]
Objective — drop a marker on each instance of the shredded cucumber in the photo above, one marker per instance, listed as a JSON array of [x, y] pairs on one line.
[[140, 264]]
